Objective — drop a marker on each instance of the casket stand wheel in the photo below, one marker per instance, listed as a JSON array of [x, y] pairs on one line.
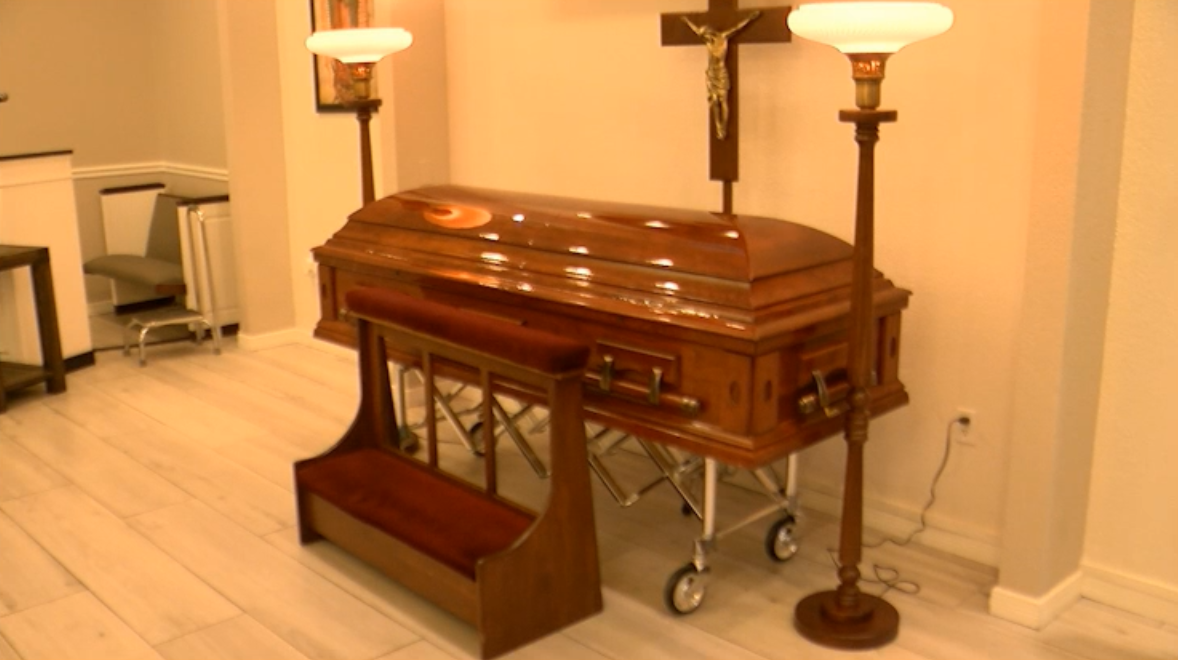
[[685, 590], [780, 544], [476, 434]]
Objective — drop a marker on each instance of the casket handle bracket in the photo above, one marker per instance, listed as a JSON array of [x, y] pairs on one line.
[[656, 385], [607, 372]]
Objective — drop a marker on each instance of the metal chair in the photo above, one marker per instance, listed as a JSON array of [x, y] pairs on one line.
[[198, 320]]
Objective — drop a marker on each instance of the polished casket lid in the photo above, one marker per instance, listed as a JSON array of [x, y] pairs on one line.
[[735, 274]]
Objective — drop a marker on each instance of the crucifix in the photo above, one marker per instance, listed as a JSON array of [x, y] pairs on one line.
[[721, 29]]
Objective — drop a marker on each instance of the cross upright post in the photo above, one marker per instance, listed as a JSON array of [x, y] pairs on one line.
[[721, 29]]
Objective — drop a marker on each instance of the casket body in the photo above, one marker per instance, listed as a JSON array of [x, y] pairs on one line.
[[711, 332]]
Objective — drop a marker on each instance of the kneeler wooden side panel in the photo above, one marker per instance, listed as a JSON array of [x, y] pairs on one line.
[[554, 558], [515, 574]]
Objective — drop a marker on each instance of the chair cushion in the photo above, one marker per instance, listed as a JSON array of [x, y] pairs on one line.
[[133, 268]]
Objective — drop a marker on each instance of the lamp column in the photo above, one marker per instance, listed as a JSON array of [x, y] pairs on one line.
[[364, 109], [867, 33], [847, 617]]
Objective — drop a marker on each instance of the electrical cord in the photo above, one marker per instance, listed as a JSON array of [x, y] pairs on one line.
[[889, 576]]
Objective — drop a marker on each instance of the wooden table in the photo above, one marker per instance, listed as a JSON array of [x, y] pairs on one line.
[[51, 371]]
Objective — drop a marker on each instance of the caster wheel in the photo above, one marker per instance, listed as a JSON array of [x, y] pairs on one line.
[[779, 542], [685, 590], [476, 439], [408, 441]]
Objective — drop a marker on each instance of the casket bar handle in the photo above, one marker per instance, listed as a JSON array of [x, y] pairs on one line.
[[650, 393], [820, 398]]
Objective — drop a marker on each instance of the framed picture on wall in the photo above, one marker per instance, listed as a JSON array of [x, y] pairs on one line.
[[333, 83]]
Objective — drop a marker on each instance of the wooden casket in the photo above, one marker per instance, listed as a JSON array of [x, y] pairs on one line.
[[723, 335]]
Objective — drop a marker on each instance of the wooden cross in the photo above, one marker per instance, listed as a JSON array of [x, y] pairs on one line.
[[721, 29]]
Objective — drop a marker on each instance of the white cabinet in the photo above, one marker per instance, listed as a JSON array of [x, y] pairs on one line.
[[37, 208]]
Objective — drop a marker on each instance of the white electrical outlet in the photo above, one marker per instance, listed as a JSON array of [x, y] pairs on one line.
[[964, 423]]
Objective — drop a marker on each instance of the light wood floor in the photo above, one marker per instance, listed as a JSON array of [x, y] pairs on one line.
[[147, 513]]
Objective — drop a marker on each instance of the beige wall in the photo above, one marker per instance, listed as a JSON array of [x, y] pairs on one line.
[[116, 81], [253, 43], [80, 76], [1132, 530], [1078, 110], [187, 82]]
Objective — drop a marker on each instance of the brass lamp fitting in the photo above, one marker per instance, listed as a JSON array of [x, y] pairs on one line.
[[361, 79], [867, 70]]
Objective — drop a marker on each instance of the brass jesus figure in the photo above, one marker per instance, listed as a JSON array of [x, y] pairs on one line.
[[719, 83]]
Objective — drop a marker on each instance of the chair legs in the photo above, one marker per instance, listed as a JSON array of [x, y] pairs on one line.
[[140, 327]]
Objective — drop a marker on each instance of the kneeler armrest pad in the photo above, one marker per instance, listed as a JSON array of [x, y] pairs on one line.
[[539, 350]]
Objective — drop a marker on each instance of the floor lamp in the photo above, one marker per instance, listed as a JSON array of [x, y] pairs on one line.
[[360, 49], [867, 33]]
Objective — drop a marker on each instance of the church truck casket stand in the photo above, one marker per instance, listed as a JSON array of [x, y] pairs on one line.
[[722, 335]]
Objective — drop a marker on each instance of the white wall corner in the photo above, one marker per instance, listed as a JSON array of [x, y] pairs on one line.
[[1034, 612]]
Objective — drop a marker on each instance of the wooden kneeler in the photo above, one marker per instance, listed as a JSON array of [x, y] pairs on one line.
[[516, 575]]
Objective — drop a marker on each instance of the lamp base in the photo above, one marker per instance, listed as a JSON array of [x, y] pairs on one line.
[[876, 623]]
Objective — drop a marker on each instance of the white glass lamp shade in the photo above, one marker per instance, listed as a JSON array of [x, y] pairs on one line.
[[870, 27], [359, 45]]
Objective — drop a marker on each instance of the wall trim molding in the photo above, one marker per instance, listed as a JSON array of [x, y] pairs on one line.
[[1148, 598], [151, 167], [1032, 612]]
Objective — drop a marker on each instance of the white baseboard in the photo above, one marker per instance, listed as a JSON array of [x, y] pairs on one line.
[[1141, 596], [1032, 612], [256, 342]]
